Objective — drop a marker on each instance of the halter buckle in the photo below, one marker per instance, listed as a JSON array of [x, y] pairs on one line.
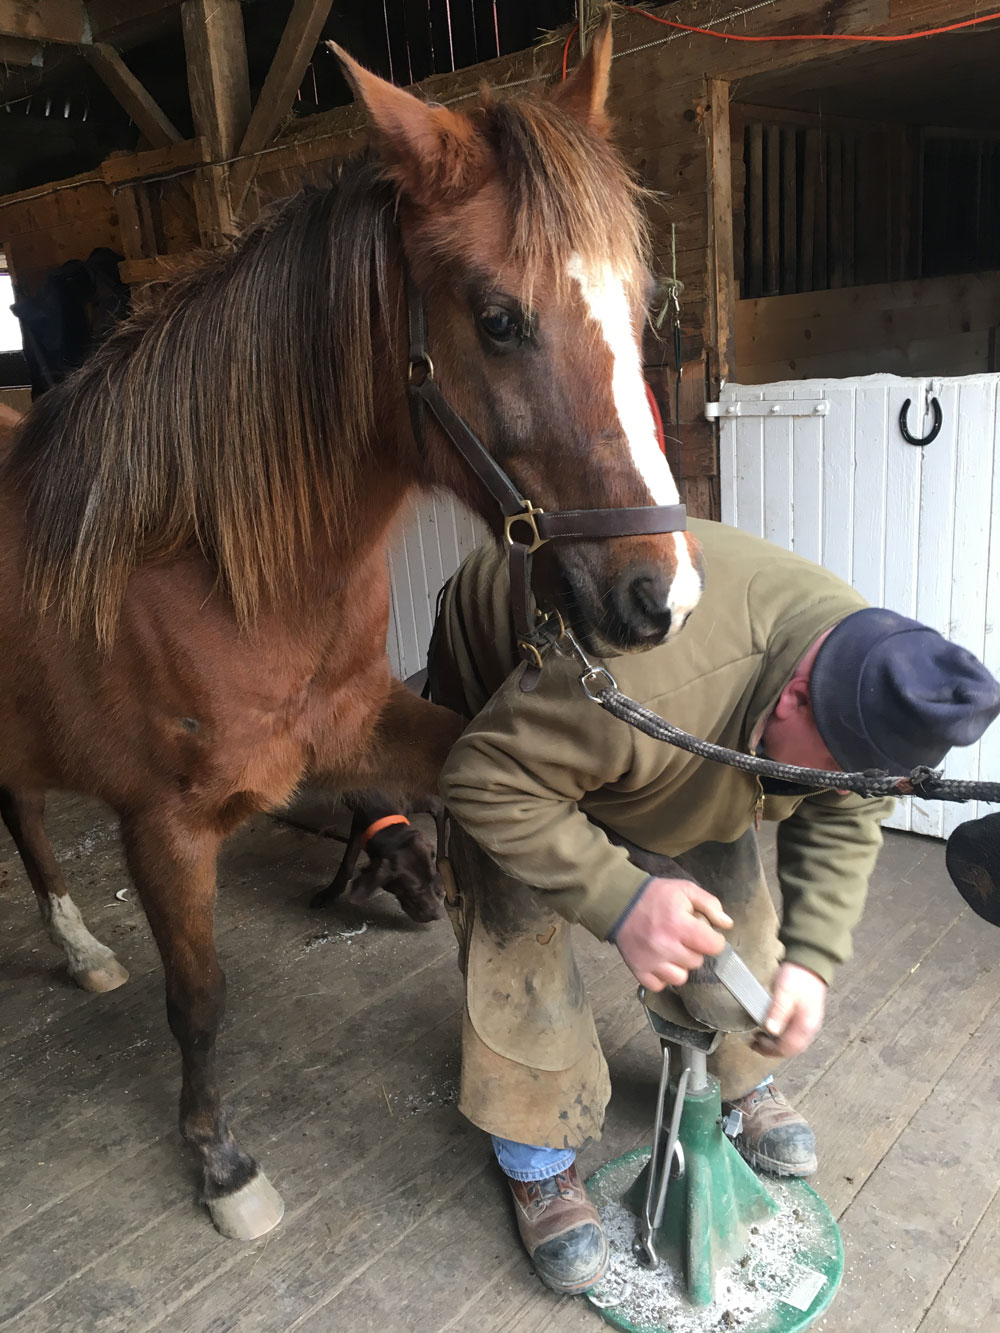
[[530, 653], [526, 516], [418, 364]]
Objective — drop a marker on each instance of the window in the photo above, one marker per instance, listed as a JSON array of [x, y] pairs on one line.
[[10, 328]]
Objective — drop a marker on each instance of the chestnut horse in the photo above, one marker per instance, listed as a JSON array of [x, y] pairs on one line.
[[193, 585]]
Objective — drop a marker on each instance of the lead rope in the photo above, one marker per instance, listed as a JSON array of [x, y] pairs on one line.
[[600, 686]]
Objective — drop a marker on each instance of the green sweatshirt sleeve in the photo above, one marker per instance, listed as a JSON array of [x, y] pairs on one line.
[[826, 854], [514, 782]]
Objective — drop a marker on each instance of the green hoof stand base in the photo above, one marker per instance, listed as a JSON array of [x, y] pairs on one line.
[[740, 1253]]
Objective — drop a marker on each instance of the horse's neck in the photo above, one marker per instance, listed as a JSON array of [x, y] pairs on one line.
[[358, 538]]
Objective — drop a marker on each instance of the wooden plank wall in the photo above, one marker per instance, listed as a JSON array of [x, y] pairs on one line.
[[933, 326]]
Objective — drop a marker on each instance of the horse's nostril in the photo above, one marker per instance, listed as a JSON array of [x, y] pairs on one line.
[[650, 600]]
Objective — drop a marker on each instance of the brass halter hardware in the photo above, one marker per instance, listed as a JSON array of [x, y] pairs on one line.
[[527, 517]]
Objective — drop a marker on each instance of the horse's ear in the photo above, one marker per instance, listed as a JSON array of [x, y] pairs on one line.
[[585, 92], [431, 151]]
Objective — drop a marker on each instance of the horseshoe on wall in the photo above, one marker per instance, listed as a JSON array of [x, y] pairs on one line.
[[932, 434]]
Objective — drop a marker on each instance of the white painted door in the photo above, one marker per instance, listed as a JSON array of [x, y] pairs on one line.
[[428, 546], [913, 529]]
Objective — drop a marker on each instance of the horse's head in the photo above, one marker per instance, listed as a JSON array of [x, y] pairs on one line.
[[522, 231]]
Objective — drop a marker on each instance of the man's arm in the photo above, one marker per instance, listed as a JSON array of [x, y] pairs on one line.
[[514, 781], [826, 853]]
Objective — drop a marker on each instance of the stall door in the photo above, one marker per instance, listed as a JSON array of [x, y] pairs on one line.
[[822, 468]]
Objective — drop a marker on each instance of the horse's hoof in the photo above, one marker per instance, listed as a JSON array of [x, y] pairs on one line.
[[252, 1211], [104, 976]]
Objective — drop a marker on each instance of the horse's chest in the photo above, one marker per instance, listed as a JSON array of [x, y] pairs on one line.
[[325, 724]]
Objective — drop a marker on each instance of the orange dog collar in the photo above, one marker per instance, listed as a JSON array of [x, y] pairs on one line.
[[379, 825]]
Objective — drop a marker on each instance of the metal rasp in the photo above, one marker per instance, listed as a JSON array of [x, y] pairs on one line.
[[741, 983]]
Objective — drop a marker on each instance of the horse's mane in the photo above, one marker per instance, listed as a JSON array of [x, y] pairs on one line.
[[233, 415]]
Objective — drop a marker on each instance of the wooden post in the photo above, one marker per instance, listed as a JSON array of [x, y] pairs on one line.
[[219, 88], [720, 190], [218, 83]]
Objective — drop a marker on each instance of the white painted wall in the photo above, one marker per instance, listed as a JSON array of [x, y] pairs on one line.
[[913, 529], [427, 547]]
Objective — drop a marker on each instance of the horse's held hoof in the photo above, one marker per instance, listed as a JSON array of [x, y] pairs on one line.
[[106, 975], [251, 1212]]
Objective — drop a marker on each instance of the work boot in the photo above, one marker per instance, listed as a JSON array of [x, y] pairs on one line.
[[774, 1137], [561, 1231]]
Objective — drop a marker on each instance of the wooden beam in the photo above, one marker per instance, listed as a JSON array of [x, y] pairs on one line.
[[45, 20], [720, 187], [19, 51], [298, 41], [130, 93], [109, 17], [219, 88], [157, 268], [217, 72], [122, 167]]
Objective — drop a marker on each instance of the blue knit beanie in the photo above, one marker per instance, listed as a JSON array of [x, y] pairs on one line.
[[890, 693]]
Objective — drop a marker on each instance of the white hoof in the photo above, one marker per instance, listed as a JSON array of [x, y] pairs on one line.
[[106, 975], [251, 1212]]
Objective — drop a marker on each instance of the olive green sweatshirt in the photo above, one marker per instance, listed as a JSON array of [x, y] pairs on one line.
[[532, 766]]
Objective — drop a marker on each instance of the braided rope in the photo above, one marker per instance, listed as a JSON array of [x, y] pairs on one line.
[[922, 782]]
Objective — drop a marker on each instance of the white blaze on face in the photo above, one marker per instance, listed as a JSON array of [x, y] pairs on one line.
[[604, 295]]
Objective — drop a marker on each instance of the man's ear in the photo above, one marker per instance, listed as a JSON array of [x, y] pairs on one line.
[[431, 151], [793, 700]]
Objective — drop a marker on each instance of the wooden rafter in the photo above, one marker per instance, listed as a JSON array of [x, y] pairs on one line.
[[19, 51], [130, 93], [298, 41], [109, 19], [45, 20]]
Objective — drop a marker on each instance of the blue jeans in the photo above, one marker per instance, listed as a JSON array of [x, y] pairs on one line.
[[524, 1161]]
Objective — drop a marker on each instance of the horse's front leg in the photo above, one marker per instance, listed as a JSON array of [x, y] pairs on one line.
[[408, 746], [174, 871]]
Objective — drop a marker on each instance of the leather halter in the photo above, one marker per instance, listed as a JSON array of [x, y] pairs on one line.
[[526, 527]]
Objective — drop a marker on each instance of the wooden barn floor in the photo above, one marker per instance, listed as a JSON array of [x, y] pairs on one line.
[[340, 1063]]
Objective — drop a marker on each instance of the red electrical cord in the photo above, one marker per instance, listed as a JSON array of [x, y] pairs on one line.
[[815, 36], [793, 37]]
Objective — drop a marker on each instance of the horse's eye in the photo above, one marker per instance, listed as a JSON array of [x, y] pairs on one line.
[[499, 324]]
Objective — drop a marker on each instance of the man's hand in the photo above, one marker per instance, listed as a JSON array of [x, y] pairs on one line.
[[669, 931], [798, 1003]]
